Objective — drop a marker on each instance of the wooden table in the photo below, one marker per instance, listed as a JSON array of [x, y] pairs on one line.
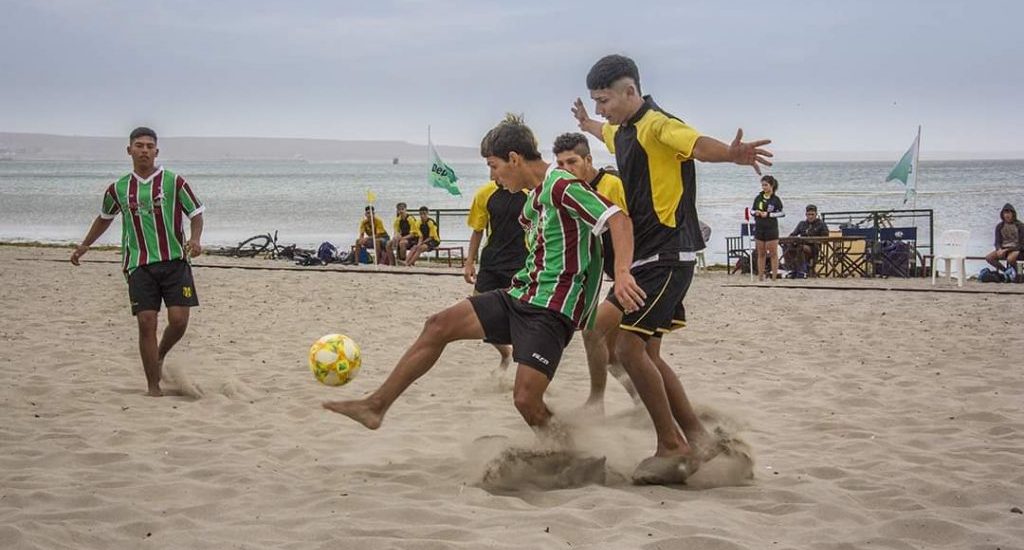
[[836, 255]]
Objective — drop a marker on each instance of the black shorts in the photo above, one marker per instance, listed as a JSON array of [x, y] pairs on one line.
[[487, 280], [538, 335], [666, 286], [431, 244], [766, 233], [169, 281]]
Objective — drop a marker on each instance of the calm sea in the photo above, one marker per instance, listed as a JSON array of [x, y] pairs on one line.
[[308, 203]]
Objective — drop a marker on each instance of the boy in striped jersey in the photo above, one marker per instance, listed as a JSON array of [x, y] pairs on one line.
[[553, 294], [153, 203]]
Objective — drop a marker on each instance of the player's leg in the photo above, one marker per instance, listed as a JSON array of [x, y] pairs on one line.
[[528, 396], [682, 410], [598, 353], [458, 322], [145, 296], [179, 293], [632, 351]]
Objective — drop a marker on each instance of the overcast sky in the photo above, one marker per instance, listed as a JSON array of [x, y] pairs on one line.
[[813, 76]]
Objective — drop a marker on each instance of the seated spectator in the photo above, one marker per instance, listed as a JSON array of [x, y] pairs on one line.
[[406, 232], [1008, 243], [365, 240], [429, 237], [798, 256]]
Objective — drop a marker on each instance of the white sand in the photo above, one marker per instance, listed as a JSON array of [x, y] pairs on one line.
[[877, 419]]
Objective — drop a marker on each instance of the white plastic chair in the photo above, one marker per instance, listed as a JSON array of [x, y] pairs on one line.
[[952, 247]]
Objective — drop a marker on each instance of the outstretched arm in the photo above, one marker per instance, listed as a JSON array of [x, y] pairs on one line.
[[99, 226], [586, 123], [709, 149]]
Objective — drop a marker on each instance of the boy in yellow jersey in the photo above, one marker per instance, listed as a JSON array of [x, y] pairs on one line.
[[655, 154], [430, 238], [572, 153], [375, 239], [495, 210], [407, 232]]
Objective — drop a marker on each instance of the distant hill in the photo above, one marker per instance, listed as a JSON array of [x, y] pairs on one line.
[[54, 147]]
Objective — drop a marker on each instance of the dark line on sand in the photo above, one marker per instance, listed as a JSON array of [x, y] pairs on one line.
[[297, 269], [880, 289]]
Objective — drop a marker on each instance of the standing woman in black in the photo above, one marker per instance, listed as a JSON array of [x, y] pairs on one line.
[[767, 211]]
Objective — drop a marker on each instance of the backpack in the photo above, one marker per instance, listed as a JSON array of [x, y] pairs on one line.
[[990, 276], [327, 252]]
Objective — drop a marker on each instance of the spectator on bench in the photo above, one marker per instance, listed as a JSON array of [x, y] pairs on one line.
[[430, 238], [1009, 242]]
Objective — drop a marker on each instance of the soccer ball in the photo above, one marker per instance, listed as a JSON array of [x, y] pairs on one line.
[[334, 359]]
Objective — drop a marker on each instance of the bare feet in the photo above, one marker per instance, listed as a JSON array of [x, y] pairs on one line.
[[662, 470], [361, 411], [595, 404], [155, 392]]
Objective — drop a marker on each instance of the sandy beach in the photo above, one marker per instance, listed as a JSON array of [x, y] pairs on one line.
[[888, 416]]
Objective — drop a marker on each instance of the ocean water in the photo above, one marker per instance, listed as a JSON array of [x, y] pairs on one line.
[[308, 203]]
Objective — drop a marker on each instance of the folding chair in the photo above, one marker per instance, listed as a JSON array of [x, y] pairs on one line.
[[854, 256], [898, 246], [952, 247]]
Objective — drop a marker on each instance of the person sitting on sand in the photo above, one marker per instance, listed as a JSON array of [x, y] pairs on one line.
[[552, 295], [153, 203], [430, 238], [1009, 242]]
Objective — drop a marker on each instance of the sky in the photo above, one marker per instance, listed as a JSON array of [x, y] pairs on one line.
[[812, 76]]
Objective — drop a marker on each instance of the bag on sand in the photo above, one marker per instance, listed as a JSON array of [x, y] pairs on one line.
[[990, 276], [327, 252]]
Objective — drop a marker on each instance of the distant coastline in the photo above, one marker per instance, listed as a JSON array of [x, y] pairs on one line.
[[30, 146]]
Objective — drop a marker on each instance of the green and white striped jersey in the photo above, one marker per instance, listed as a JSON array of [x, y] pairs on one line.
[[152, 216], [563, 219]]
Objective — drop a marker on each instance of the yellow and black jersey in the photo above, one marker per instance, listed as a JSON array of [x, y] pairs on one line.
[[496, 210], [378, 225], [428, 230], [405, 225], [654, 154], [609, 186]]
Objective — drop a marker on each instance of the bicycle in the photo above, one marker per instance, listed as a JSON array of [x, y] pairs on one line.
[[263, 245]]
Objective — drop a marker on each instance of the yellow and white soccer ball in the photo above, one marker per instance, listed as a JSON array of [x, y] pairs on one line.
[[334, 359]]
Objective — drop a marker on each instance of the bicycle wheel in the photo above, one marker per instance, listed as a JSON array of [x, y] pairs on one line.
[[253, 246]]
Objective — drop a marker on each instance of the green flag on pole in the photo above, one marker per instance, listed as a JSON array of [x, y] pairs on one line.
[[441, 175], [906, 167]]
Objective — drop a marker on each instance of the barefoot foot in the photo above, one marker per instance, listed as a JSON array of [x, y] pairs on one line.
[[361, 411], [662, 470]]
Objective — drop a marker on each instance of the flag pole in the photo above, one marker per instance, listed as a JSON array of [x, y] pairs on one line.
[[917, 155]]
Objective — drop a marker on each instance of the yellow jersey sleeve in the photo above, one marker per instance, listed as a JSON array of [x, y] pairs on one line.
[[434, 233], [414, 226], [378, 225], [478, 215], [610, 187], [678, 136], [608, 134]]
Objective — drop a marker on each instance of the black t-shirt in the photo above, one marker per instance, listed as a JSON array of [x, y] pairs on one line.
[[496, 210], [773, 206]]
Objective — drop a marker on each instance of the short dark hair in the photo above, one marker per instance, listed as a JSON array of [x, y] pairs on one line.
[[424, 210], [609, 69], [510, 135], [368, 208], [811, 208], [572, 141], [401, 205], [772, 181], [141, 131]]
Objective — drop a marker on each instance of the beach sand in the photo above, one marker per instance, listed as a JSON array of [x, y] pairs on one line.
[[875, 419]]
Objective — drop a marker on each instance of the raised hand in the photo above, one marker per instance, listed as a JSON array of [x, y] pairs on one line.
[[750, 153]]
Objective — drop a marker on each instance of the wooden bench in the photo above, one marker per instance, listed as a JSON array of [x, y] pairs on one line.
[[451, 253]]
